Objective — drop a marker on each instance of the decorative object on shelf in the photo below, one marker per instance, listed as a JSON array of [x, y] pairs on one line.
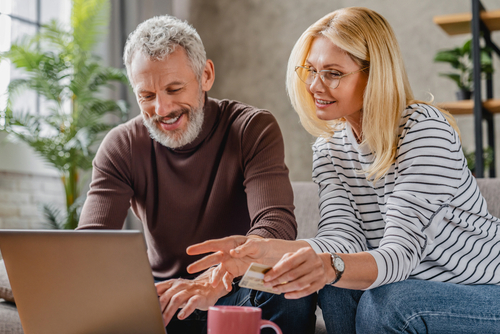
[[487, 158], [460, 58], [58, 64]]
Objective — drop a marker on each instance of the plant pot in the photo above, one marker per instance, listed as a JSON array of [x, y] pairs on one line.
[[463, 94]]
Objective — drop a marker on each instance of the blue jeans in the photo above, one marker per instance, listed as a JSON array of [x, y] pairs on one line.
[[292, 316], [412, 306]]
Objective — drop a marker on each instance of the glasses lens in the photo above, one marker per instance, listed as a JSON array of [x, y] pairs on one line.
[[331, 79], [305, 74]]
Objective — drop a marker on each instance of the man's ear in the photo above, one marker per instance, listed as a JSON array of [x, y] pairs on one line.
[[208, 76]]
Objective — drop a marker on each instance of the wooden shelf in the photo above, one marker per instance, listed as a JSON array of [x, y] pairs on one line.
[[456, 24], [466, 107]]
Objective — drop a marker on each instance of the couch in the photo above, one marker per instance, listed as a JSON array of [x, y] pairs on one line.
[[306, 212]]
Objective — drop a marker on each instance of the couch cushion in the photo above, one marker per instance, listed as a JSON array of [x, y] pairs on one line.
[[9, 319], [306, 208], [490, 189], [5, 289]]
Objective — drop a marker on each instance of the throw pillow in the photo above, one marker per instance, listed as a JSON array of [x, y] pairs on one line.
[[5, 289]]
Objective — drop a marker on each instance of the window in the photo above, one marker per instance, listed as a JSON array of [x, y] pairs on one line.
[[20, 18]]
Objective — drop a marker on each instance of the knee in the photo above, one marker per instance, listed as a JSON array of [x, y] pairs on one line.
[[386, 309]]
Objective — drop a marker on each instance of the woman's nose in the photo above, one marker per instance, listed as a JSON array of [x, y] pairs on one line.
[[317, 84]]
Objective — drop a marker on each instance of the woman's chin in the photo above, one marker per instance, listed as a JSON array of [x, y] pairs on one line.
[[325, 116]]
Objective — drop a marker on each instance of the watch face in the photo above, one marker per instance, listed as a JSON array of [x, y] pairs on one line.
[[339, 264]]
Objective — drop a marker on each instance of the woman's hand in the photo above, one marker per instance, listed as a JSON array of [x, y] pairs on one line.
[[300, 273]]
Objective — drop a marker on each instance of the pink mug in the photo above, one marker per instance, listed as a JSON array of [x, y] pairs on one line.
[[237, 319]]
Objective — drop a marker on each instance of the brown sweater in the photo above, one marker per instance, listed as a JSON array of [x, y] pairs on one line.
[[231, 180]]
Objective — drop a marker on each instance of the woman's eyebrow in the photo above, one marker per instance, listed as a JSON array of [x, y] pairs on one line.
[[327, 65]]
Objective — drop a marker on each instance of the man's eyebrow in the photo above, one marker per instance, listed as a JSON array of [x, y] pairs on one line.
[[139, 90], [173, 83]]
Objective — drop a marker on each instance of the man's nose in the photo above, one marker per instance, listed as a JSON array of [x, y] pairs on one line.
[[164, 105]]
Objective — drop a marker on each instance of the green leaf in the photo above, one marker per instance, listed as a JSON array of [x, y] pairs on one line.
[[58, 65], [52, 216]]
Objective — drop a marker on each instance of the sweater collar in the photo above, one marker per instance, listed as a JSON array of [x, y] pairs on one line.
[[210, 118]]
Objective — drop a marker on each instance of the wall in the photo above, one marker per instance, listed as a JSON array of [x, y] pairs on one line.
[[21, 195], [250, 41]]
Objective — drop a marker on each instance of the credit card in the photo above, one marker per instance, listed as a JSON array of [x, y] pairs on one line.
[[254, 278]]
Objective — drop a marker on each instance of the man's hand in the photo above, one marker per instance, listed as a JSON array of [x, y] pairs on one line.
[[188, 295], [233, 255]]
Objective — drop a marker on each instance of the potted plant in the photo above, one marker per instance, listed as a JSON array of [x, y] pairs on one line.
[[460, 58], [471, 158], [59, 65]]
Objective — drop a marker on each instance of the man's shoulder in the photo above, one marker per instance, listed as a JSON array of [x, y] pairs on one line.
[[242, 114], [128, 133], [133, 128]]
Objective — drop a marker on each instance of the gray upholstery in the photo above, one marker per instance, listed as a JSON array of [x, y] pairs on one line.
[[490, 189], [9, 319], [307, 215], [306, 208], [307, 212]]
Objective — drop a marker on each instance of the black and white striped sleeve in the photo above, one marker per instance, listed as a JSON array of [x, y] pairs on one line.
[[339, 230], [428, 172]]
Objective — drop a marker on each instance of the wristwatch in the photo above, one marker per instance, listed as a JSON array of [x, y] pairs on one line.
[[339, 266]]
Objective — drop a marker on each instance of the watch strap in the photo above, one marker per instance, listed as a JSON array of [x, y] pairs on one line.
[[337, 272]]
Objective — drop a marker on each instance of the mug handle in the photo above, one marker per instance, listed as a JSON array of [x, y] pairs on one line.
[[270, 324]]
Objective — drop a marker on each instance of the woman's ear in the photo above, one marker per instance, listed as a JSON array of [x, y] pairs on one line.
[[208, 76]]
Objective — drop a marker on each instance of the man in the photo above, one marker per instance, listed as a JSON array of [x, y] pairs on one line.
[[193, 168]]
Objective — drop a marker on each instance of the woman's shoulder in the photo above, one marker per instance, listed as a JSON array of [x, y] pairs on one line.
[[419, 112], [421, 116], [336, 139], [422, 111]]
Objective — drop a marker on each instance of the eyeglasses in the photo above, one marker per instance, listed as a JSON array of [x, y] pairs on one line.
[[329, 77]]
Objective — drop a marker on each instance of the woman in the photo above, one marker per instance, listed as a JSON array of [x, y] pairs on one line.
[[405, 242]]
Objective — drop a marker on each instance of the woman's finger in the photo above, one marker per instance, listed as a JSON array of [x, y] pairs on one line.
[[288, 262], [302, 282], [312, 288]]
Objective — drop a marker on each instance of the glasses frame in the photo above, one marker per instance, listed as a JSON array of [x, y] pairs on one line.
[[315, 74]]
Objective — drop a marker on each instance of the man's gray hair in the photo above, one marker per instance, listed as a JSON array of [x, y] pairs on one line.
[[158, 37]]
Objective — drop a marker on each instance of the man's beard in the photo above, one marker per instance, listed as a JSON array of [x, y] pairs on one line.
[[177, 138]]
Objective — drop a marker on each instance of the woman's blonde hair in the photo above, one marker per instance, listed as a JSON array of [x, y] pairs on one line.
[[370, 41]]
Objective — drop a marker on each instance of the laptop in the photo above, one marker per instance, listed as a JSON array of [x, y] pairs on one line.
[[67, 281]]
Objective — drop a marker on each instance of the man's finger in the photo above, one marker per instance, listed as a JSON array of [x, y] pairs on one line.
[[217, 275], [191, 305], [205, 263], [175, 302], [215, 245], [161, 287], [228, 280], [209, 246], [246, 249]]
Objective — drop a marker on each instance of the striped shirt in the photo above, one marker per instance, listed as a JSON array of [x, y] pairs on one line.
[[425, 219]]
